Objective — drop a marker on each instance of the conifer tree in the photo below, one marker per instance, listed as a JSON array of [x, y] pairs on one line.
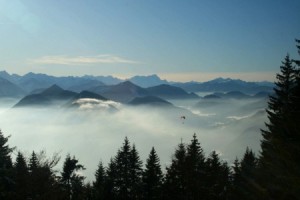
[[217, 177], [248, 167], [89, 192], [175, 183], [236, 189], [152, 177], [34, 177], [99, 184], [110, 192], [21, 177], [6, 181], [5, 152], [296, 61], [195, 170], [71, 181], [280, 145], [136, 172], [122, 161], [42, 180]]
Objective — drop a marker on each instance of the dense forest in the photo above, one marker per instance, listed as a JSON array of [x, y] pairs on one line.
[[273, 174]]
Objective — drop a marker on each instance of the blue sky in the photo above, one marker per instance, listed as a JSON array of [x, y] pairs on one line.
[[176, 39]]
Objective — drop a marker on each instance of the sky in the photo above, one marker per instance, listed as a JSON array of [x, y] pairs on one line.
[[178, 40]]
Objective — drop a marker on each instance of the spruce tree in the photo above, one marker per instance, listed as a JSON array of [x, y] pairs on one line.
[[152, 177], [34, 176], [21, 177], [88, 192], [136, 172], [236, 189], [5, 152], [6, 175], [296, 61], [217, 177], [99, 184], [43, 183], [248, 167], [110, 189], [195, 170], [175, 183], [71, 181], [280, 145], [122, 161]]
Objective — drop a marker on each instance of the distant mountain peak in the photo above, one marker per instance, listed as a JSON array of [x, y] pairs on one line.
[[222, 80], [127, 84], [4, 73], [152, 76], [147, 81], [150, 100], [54, 89]]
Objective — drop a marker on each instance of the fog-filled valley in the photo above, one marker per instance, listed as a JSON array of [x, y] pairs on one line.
[[94, 129]]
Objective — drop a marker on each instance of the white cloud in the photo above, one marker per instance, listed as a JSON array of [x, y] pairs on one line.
[[238, 117], [81, 60], [91, 104]]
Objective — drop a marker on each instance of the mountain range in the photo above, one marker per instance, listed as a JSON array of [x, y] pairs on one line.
[[126, 91], [226, 85], [13, 85], [56, 96]]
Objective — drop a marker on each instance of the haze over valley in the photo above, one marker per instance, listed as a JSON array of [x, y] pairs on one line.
[[89, 118]]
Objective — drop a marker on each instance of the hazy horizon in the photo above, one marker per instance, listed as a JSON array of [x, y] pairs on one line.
[[180, 77]]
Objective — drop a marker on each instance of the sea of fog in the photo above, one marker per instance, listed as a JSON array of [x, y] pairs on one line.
[[93, 133]]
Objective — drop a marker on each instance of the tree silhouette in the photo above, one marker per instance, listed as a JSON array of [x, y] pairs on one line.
[[236, 188], [280, 153], [6, 171], [42, 179], [122, 161], [136, 172], [217, 177], [195, 170], [21, 177], [99, 184], [71, 181], [152, 177], [175, 183], [248, 167], [110, 189]]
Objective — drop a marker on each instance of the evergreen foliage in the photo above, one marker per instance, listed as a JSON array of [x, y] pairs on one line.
[[6, 176], [71, 181], [122, 161], [280, 153], [217, 177], [175, 183], [21, 177], [136, 172], [42, 179], [244, 172], [99, 184], [110, 181], [195, 170], [152, 177]]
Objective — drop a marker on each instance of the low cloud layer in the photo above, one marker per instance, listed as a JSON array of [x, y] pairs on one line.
[[93, 134], [95, 104]]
